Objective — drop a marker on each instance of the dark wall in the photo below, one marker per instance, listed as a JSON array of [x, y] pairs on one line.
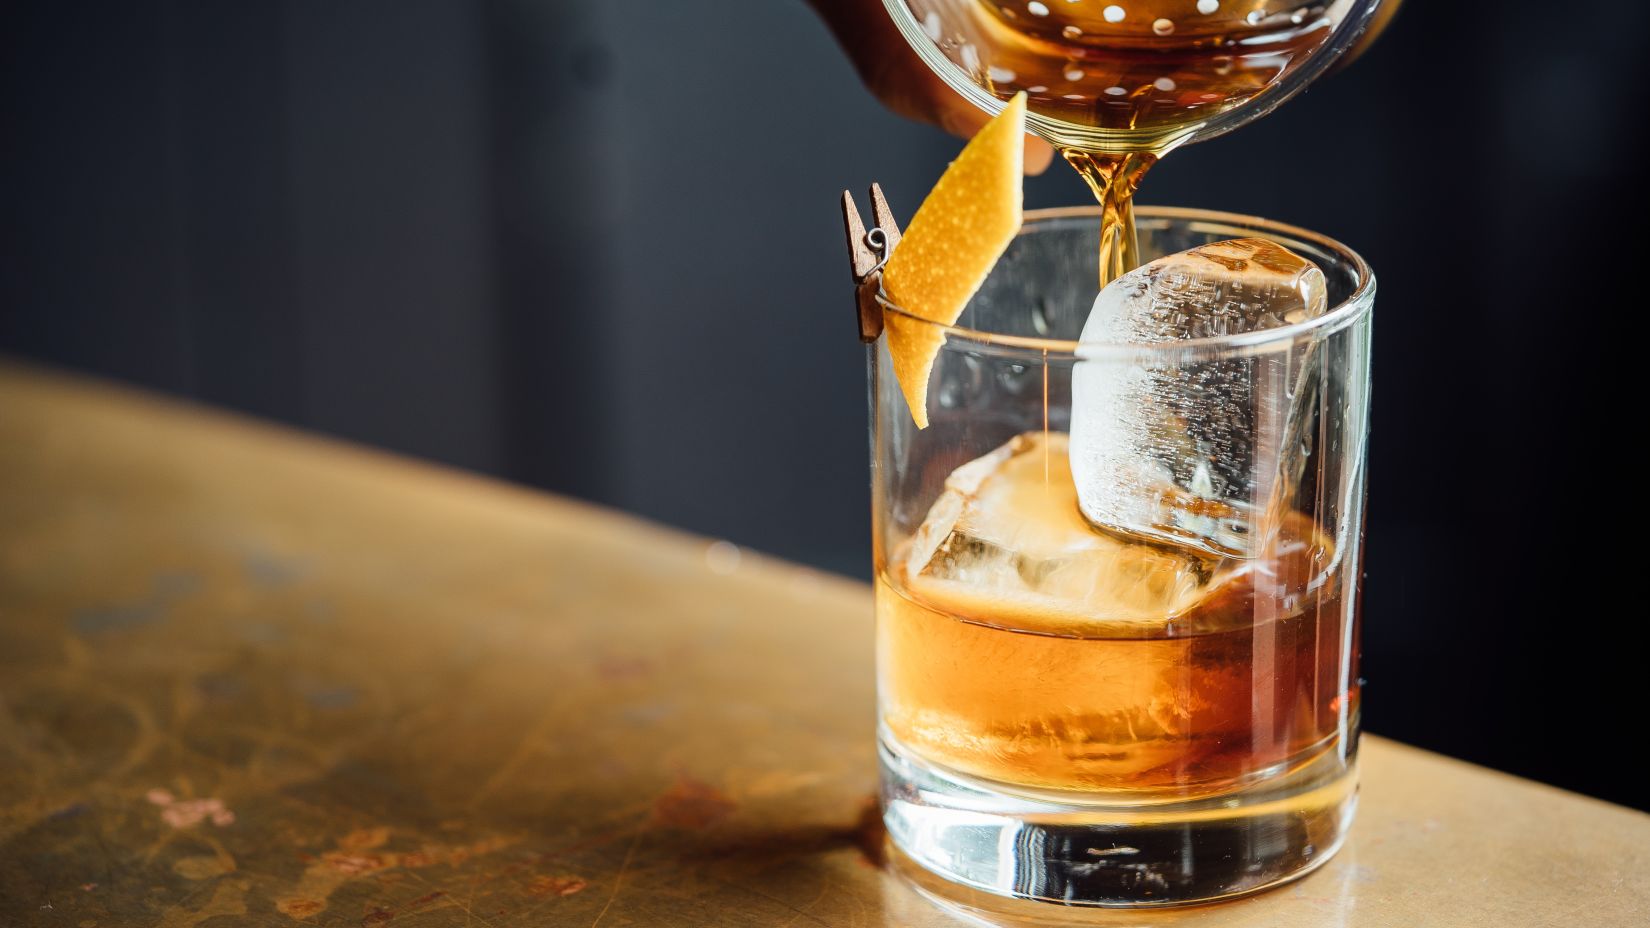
[[594, 248]]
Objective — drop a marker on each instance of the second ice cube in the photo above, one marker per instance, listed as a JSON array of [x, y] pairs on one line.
[[1204, 447]]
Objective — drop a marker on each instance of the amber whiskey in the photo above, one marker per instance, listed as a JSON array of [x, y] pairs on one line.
[[1021, 646]]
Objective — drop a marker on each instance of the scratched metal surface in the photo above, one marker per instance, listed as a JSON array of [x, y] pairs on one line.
[[249, 677]]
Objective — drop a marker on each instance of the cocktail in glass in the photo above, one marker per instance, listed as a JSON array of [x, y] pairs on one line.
[[1140, 710]]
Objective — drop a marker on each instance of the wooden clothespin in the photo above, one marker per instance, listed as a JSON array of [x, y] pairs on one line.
[[868, 251]]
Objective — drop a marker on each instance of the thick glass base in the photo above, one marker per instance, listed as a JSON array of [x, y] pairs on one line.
[[1083, 851]]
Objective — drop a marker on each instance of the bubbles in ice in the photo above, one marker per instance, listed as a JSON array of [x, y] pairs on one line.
[[1202, 448]]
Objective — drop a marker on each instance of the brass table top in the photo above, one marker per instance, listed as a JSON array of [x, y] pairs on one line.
[[252, 677]]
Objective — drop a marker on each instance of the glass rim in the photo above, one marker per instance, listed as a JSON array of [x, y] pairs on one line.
[[1355, 305]]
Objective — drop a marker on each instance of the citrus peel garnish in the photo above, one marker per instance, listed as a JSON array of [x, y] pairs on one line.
[[951, 245]]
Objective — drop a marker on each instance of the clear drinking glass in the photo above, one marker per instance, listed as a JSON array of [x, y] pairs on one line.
[[1070, 715]]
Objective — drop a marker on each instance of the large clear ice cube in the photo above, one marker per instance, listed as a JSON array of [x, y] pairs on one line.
[[1191, 448], [1005, 540]]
